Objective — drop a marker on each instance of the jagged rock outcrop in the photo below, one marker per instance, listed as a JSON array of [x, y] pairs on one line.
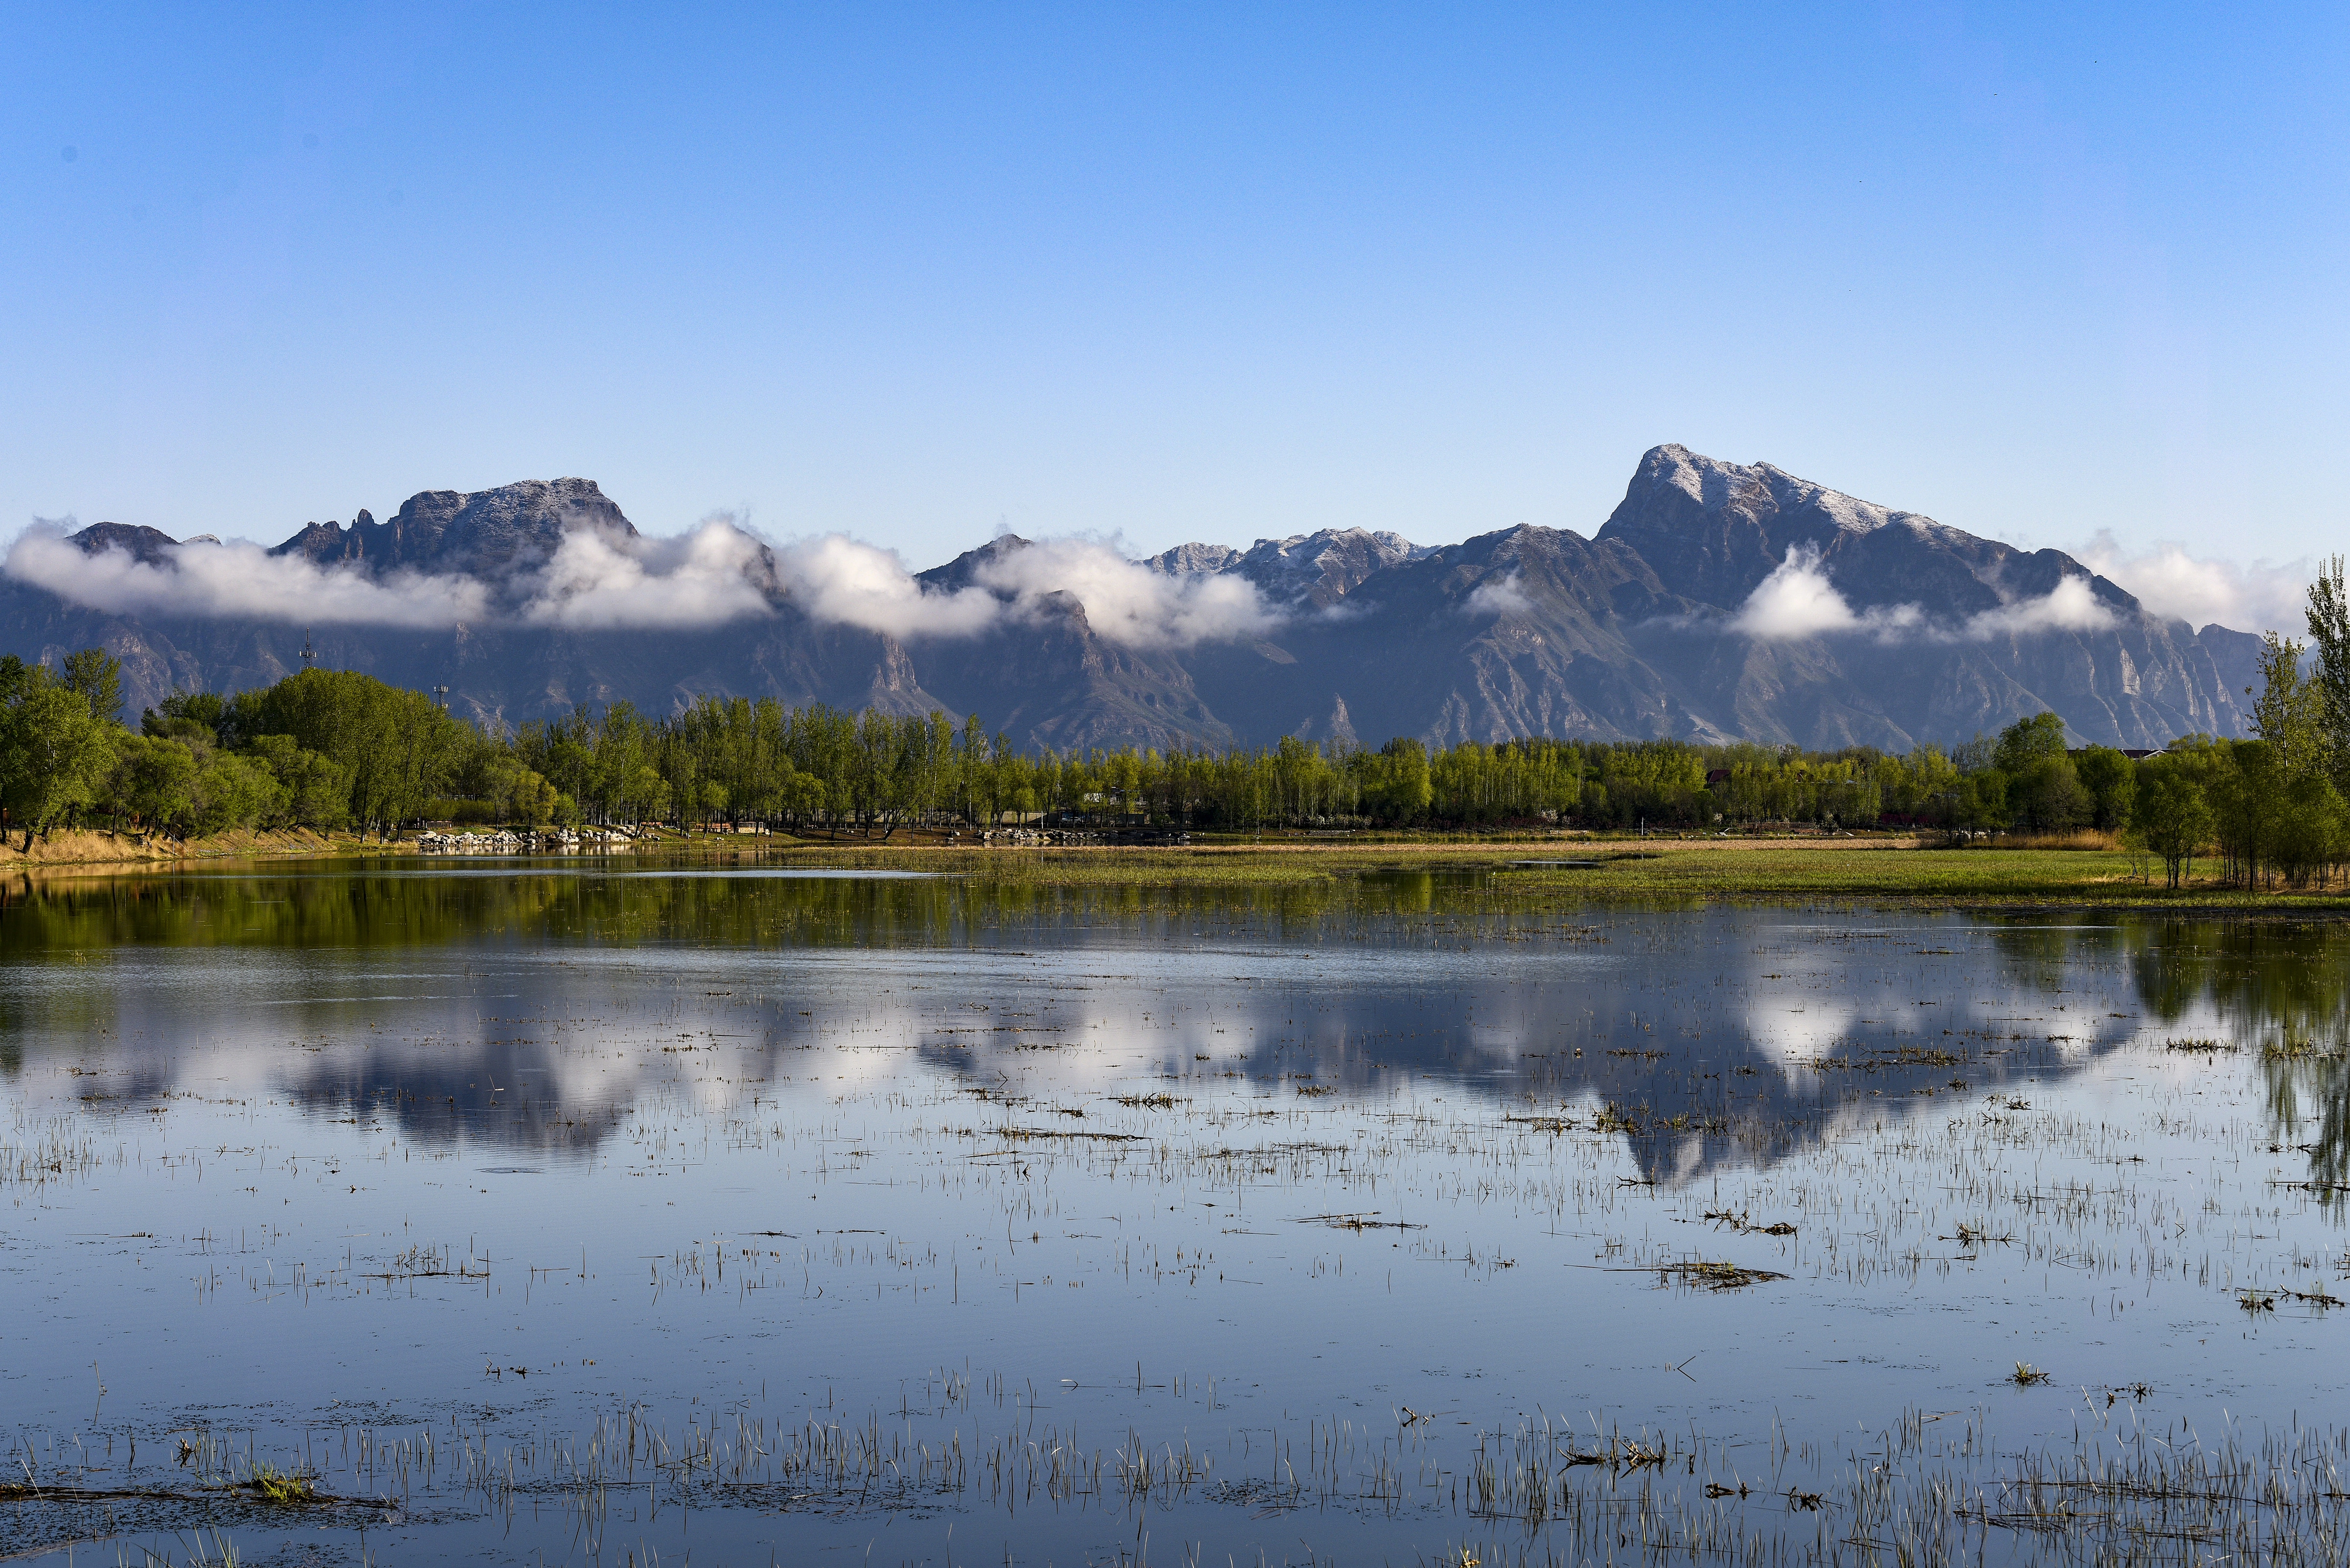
[[1316, 569], [486, 533]]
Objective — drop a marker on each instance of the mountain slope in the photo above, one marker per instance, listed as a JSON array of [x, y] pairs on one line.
[[1718, 601]]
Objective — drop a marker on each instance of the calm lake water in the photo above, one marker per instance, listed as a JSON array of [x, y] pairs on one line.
[[570, 1212]]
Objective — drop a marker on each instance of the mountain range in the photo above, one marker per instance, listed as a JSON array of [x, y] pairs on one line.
[[1718, 601]]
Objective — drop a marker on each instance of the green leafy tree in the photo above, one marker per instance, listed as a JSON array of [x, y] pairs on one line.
[[1980, 802], [2045, 795], [56, 755], [98, 676], [2245, 784], [2040, 738], [1397, 788], [2169, 818], [2309, 834], [2109, 782], [184, 713], [2289, 711], [2329, 634], [315, 792], [233, 790], [152, 781]]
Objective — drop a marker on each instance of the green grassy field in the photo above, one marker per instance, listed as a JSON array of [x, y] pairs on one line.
[[1875, 870], [1867, 869]]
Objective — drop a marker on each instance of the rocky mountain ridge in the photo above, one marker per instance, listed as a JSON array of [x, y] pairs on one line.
[[1718, 601]]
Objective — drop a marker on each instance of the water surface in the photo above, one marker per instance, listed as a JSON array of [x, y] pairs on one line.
[[567, 1212]]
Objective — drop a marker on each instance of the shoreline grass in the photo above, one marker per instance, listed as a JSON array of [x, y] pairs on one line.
[[1888, 871]]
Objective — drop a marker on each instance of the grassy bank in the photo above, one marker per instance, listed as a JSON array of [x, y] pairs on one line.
[[98, 850], [1888, 870], [2081, 872]]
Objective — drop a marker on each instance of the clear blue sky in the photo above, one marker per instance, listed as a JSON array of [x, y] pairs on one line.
[[1183, 273]]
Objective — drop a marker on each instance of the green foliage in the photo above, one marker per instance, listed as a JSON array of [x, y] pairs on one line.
[[184, 713], [2329, 636], [2045, 795], [55, 753], [2244, 781], [2169, 818], [395, 749], [1395, 787], [98, 676], [2108, 786], [315, 790], [2310, 835], [331, 749], [2038, 739], [230, 790], [153, 782], [2289, 711], [1980, 804]]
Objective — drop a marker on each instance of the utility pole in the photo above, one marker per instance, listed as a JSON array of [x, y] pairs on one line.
[[442, 692], [309, 654]]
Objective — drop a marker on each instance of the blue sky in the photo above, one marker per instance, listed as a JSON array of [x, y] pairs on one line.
[[921, 273]]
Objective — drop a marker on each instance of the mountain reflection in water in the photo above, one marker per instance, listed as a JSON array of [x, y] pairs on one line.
[[531, 1006]]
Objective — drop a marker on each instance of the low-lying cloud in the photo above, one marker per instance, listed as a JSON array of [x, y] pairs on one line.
[[2175, 586], [1799, 600], [240, 581], [594, 581], [1502, 596], [1126, 601], [2071, 605], [715, 575], [837, 579], [843, 582]]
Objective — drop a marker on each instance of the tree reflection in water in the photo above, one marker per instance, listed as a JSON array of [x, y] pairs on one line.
[[1712, 1036]]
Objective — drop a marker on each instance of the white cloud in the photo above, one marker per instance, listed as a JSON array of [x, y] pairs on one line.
[[1125, 600], [595, 581], [2177, 586], [836, 579], [2071, 605], [1797, 600], [242, 580], [1499, 597], [716, 573]]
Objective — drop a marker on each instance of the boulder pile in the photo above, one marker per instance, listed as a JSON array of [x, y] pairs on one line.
[[507, 841]]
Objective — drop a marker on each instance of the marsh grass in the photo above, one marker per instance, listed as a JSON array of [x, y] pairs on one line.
[[281, 1489], [1934, 1488], [2080, 870]]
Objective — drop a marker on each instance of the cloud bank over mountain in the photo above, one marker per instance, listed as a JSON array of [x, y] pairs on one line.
[[707, 577], [239, 580], [1798, 600], [2203, 592], [840, 581], [1718, 601]]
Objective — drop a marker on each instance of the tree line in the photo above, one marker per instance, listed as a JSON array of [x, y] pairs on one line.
[[338, 750]]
